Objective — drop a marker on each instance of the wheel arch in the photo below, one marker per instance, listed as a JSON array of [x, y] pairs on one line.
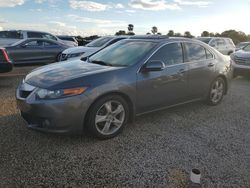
[[123, 95]]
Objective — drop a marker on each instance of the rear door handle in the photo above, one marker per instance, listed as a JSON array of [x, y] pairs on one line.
[[211, 64], [181, 71]]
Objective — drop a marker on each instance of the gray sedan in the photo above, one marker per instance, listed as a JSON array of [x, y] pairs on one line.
[[35, 51], [126, 79]]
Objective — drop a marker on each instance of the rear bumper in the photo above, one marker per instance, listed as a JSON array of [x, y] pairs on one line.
[[5, 67], [64, 116]]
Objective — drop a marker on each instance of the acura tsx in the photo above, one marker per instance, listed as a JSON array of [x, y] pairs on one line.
[[129, 78]]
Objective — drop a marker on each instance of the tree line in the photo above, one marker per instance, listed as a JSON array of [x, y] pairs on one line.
[[236, 36]]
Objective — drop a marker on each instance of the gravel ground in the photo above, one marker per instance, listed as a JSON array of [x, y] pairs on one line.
[[157, 150]]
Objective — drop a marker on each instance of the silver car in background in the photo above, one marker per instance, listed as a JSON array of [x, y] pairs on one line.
[[241, 61], [223, 45], [9, 37], [91, 48]]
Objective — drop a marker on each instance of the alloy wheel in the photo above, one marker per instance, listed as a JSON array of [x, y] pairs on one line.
[[217, 91], [110, 117]]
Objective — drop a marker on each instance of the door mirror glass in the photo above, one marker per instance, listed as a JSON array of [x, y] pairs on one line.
[[152, 66]]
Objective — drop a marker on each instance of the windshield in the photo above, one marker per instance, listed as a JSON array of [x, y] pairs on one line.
[[206, 40], [123, 53], [99, 42], [247, 48], [241, 45]]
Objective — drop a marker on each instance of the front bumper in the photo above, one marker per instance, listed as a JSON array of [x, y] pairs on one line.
[[64, 115]]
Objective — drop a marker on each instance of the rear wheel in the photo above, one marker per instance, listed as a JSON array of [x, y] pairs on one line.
[[108, 116], [216, 92]]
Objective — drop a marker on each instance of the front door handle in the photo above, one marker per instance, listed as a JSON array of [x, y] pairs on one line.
[[211, 64]]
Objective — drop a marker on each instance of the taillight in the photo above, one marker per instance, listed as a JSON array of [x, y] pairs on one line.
[[5, 55]]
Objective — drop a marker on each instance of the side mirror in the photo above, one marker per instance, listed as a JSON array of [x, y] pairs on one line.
[[153, 66]]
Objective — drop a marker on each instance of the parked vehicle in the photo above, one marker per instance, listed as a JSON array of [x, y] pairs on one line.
[[241, 45], [223, 45], [12, 36], [90, 48], [129, 78], [241, 61], [33, 51], [68, 38], [5, 63]]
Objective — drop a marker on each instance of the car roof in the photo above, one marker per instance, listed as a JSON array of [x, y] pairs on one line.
[[162, 39], [213, 38]]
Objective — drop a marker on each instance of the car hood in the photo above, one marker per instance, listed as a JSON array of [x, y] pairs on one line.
[[54, 74], [242, 54], [80, 49]]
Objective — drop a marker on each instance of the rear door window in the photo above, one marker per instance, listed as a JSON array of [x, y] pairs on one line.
[[34, 35], [169, 54], [11, 35], [195, 52]]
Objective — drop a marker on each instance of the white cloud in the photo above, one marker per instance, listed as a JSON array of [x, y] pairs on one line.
[[1, 28], [40, 1], [88, 5], [130, 11], [11, 3], [119, 5], [153, 5], [100, 23], [195, 3], [77, 18], [60, 24]]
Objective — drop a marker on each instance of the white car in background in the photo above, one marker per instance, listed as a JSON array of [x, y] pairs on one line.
[[223, 45], [9, 37], [92, 47]]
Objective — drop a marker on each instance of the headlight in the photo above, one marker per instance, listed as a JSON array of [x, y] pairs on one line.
[[75, 55], [48, 94]]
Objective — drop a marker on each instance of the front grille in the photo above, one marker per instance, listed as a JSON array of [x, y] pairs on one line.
[[242, 61]]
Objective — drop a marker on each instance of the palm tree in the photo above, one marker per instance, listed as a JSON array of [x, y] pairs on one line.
[[154, 30], [131, 29]]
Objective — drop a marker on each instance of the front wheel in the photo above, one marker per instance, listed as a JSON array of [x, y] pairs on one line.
[[108, 116], [58, 57], [216, 92]]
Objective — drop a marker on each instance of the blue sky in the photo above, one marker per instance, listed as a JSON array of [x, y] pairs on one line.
[[106, 17]]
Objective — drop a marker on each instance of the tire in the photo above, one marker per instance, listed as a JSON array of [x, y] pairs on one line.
[[58, 57], [107, 116], [216, 92]]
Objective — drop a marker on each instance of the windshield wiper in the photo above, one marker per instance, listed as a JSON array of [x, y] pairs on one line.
[[101, 63]]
